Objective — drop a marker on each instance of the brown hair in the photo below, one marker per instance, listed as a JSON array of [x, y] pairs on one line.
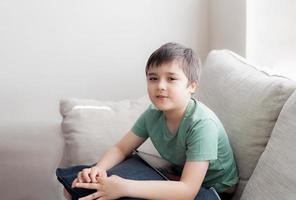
[[170, 52]]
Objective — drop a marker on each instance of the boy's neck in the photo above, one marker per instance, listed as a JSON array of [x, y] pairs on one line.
[[174, 117]]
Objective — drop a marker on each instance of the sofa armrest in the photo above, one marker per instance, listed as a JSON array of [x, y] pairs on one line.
[[30, 152]]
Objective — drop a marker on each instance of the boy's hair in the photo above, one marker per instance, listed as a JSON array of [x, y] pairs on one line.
[[170, 52]]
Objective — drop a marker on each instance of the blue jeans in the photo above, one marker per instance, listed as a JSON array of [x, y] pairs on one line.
[[132, 168]]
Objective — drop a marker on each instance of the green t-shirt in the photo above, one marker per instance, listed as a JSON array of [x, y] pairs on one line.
[[200, 137]]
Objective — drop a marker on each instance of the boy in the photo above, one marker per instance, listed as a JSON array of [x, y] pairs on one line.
[[182, 129]]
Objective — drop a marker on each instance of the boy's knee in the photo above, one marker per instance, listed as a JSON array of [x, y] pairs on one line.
[[67, 195]]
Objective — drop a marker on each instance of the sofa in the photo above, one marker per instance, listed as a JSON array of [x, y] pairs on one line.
[[258, 111]]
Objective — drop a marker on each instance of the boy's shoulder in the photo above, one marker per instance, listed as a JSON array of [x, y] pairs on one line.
[[201, 113]]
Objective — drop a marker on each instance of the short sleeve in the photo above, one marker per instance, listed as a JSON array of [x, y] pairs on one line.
[[140, 128], [202, 141]]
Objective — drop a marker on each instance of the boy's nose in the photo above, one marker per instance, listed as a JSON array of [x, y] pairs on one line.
[[162, 85]]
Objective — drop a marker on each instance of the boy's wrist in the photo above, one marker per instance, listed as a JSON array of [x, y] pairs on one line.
[[126, 188], [99, 165]]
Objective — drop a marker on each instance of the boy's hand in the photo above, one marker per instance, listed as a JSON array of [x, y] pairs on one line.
[[112, 187], [89, 175], [67, 195]]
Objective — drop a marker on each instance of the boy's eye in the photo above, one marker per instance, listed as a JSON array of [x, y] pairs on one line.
[[152, 78], [172, 78]]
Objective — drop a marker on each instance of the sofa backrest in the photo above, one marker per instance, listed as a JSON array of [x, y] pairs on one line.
[[247, 101], [274, 176]]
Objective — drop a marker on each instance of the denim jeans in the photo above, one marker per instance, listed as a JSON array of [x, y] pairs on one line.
[[132, 168]]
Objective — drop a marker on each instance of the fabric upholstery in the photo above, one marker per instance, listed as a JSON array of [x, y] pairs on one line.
[[274, 176], [91, 126], [30, 151], [247, 101]]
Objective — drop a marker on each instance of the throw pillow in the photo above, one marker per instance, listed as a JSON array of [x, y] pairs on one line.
[[274, 176], [247, 101], [90, 127]]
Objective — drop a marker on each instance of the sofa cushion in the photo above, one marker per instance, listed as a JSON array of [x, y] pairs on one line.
[[247, 101], [274, 176], [91, 126]]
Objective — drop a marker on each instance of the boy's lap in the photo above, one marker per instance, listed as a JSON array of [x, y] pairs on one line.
[[132, 168], [207, 194]]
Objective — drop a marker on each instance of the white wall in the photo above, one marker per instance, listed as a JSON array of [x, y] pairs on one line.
[[227, 25], [87, 49], [262, 31], [271, 35]]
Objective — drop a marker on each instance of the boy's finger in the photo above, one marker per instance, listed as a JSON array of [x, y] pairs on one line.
[[103, 174], [94, 186], [67, 195], [92, 196], [79, 177], [93, 174], [85, 176], [99, 179], [93, 177], [74, 182]]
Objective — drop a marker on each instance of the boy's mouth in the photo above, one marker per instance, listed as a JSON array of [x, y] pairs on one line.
[[161, 96]]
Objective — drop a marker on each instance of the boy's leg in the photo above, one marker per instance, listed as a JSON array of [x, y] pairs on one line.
[[134, 168], [207, 194], [131, 168]]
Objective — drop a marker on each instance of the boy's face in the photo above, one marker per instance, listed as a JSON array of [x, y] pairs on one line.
[[168, 87]]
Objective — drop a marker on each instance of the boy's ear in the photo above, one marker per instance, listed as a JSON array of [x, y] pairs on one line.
[[192, 86]]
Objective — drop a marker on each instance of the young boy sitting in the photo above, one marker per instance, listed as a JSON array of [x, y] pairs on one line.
[[183, 130]]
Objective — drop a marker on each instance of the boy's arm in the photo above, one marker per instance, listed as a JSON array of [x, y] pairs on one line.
[[120, 150], [187, 188], [111, 157]]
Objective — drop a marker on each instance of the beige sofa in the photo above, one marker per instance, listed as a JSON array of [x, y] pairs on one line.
[[257, 109]]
